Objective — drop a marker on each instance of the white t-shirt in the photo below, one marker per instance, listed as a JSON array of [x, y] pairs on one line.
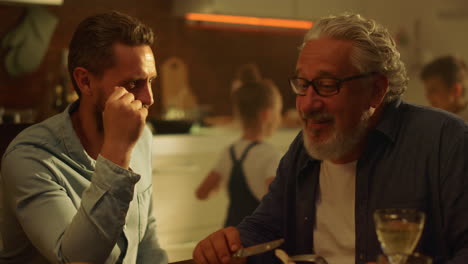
[[334, 233], [261, 163]]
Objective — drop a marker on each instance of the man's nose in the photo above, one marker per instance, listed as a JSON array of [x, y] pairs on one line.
[[146, 95], [309, 102]]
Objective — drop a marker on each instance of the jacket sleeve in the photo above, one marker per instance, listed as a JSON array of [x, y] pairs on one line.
[[268, 222], [265, 222]]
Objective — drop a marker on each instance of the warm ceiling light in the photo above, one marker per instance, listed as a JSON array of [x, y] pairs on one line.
[[250, 21]]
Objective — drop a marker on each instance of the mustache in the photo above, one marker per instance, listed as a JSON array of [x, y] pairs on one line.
[[317, 117]]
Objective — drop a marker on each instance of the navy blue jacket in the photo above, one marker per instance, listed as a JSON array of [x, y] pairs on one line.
[[416, 157]]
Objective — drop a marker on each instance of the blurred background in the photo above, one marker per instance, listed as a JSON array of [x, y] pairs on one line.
[[208, 54], [204, 56], [196, 62]]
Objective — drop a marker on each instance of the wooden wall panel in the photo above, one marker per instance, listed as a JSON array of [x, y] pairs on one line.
[[212, 55]]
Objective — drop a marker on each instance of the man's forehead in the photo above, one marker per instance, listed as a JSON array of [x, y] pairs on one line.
[[131, 63], [326, 42], [325, 55]]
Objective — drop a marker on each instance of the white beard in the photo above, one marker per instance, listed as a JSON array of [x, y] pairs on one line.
[[339, 143]]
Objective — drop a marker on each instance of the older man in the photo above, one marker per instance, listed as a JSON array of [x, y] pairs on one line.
[[361, 148], [445, 81], [77, 187]]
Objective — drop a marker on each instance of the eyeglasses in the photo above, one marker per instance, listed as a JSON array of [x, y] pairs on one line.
[[323, 86]]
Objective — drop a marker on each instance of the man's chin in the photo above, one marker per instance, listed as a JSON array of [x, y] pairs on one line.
[[315, 151], [330, 146], [316, 136], [318, 146]]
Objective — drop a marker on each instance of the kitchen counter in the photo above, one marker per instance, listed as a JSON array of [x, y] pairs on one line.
[[180, 163]]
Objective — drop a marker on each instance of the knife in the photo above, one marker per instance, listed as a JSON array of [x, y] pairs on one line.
[[257, 249]]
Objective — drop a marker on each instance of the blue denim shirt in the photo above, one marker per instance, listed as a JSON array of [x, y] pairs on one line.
[[416, 157], [60, 205]]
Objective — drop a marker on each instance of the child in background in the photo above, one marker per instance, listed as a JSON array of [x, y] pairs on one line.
[[248, 165], [248, 72]]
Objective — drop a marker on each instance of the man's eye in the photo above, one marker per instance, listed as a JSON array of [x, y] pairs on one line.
[[327, 83], [131, 85], [301, 83]]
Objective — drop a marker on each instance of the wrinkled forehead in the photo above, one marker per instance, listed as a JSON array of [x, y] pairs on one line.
[[325, 55]]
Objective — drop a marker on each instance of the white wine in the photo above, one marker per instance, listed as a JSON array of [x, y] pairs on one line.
[[398, 236], [399, 231]]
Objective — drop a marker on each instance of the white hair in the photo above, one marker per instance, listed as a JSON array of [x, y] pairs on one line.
[[374, 50]]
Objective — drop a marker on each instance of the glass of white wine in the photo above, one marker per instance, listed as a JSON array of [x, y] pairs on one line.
[[414, 258], [398, 231]]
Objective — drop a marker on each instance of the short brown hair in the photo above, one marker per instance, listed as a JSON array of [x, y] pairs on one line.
[[92, 43], [449, 69], [253, 97]]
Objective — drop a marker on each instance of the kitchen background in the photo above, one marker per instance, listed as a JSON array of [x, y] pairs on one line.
[[197, 61], [423, 29]]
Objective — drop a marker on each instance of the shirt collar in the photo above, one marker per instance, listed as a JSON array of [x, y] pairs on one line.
[[73, 146], [390, 120]]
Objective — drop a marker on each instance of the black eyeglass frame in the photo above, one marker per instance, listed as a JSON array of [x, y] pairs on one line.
[[314, 81]]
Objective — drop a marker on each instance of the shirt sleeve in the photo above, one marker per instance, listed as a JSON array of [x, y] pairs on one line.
[[265, 222], [223, 165], [454, 197], [149, 250], [48, 216]]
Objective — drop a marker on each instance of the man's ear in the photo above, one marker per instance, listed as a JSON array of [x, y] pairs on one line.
[[83, 80], [379, 91]]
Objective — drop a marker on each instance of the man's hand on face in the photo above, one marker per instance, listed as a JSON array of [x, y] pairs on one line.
[[219, 247], [123, 120]]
